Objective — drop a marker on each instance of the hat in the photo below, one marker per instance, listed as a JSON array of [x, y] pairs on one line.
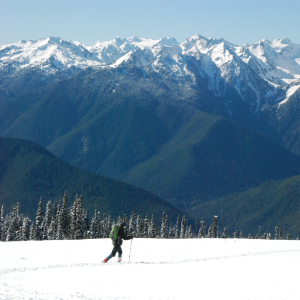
[[123, 224]]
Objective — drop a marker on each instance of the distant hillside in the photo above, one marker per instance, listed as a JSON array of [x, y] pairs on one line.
[[134, 129], [273, 202], [211, 157], [28, 171]]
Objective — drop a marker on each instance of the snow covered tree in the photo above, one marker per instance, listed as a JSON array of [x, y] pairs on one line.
[[164, 227], [79, 219], [280, 233], [176, 228], [202, 229], [51, 230], [94, 225], [249, 236], [138, 226], [288, 237], [132, 224], [224, 235], [146, 227], [209, 235], [151, 229], [47, 220], [241, 235], [86, 222], [189, 232], [55, 209], [171, 231], [235, 235], [1, 222], [119, 220], [214, 227], [62, 222], [125, 219], [183, 227], [276, 232], [258, 236], [108, 226], [26, 229], [39, 221], [32, 232]]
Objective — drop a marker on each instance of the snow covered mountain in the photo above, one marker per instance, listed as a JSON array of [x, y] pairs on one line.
[[267, 72]]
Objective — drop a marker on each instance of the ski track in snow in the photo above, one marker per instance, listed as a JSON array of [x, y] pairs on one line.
[[208, 269], [7, 271]]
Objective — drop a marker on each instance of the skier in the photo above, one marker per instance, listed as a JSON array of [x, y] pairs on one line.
[[117, 242]]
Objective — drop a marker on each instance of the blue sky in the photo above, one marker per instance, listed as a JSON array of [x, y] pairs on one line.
[[87, 21]]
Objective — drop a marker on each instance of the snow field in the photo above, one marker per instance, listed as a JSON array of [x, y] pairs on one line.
[[159, 269]]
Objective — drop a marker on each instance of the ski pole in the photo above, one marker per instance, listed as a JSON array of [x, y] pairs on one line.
[[130, 251]]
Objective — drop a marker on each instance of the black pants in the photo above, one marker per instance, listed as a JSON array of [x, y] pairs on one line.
[[117, 248]]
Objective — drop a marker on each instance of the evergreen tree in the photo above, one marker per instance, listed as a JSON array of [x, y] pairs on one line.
[[86, 222], [163, 231], [171, 231], [32, 232], [176, 228], [132, 224], [94, 225], [276, 233], [26, 229], [51, 230], [108, 226], [189, 232], [209, 235], [280, 233], [214, 227], [1, 222], [249, 236], [39, 221], [125, 219], [288, 237], [224, 235], [47, 220], [103, 231], [235, 235], [55, 210], [202, 229], [10, 236], [119, 220], [138, 226], [151, 229], [183, 227], [79, 220], [258, 236], [146, 227]]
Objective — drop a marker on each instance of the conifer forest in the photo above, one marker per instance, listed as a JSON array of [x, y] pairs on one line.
[[60, 222]]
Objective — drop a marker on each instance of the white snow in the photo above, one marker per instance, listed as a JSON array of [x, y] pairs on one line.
[[159, 269], [289, 93]]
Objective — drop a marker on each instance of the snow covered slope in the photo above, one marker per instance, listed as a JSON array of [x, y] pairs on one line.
[[159, 269], [260, 74]]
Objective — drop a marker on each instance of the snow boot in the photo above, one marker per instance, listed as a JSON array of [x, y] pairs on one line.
[[105, 260], [119, 259]]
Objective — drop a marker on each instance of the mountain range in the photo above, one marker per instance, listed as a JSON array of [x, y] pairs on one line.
[[192, 122]]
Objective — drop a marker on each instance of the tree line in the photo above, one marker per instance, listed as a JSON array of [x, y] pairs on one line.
[[60, 222]]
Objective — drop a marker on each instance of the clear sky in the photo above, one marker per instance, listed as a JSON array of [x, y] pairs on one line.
[[88, 21]]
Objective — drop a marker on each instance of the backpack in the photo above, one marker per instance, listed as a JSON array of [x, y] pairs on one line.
[[114, 233]]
